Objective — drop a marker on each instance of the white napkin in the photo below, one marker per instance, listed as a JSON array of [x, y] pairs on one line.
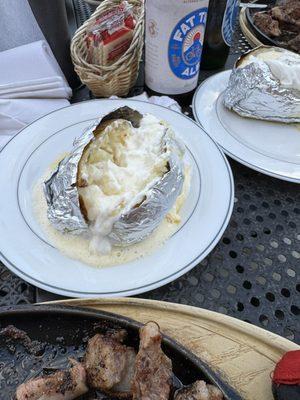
[[31, 85], [26, 68], [48, 87], [16, 114], [160, 100], [18, 24]]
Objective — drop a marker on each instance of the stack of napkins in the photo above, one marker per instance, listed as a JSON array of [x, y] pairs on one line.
[[31, 85]]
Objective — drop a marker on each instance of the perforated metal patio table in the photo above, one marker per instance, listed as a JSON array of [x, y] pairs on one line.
[[253, 273]]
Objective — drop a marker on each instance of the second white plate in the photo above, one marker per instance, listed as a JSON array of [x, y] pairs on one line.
[[24, 247], [268, 147]]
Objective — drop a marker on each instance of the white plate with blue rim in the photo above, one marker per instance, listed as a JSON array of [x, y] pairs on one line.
[[271, 148], [25, 248]]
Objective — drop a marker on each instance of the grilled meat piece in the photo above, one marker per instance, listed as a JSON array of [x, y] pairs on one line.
[[288, 10], [13, 335], [286, 19], [266, 24], [62, 385], [294, 44], [199, 391], [124, 386], [153, 369], [214, 393], [109, 364]]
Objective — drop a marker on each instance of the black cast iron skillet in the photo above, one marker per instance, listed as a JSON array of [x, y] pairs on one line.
[[261, 36], [62, 332]]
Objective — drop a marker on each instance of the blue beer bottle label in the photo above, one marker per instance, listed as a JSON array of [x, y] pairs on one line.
[[185, 44], [229, 20]]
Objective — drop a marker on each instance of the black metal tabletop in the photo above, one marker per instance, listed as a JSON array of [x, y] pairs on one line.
[[253, 273]]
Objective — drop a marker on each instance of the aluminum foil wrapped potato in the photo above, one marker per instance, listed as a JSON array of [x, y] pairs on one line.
[[122, 177], [265, 84]]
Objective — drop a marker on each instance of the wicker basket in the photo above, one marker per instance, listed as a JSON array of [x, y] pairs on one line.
[[119, 77]]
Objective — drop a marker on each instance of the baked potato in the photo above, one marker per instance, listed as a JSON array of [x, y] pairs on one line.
[[265, 84], [120, 180]]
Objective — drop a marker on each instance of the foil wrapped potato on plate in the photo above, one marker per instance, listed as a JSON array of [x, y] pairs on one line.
[[265, 84], [121, 179]]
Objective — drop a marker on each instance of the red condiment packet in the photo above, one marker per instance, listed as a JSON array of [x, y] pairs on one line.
[[287, 370], [111, 34], [116, 44]]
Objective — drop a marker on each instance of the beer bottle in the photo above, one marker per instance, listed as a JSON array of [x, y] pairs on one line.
[[220, 26], [173, 46]]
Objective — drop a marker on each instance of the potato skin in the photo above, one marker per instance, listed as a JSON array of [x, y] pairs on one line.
[[126, 113]]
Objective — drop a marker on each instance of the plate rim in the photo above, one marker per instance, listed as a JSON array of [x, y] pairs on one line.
[[152, 285], [228, 152]]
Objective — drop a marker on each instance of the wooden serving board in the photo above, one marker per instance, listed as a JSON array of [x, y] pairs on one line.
[[243, 353]]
